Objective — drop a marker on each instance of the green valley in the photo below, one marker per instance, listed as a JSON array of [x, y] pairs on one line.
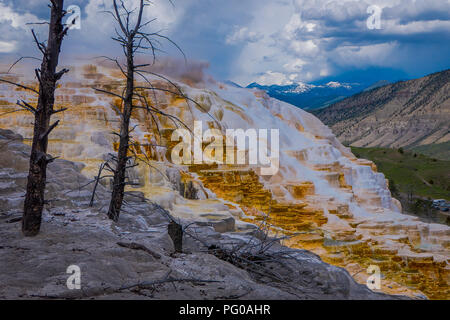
[[410, 172]]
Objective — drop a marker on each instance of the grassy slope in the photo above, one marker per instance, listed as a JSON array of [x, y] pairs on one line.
[[438, 150], [406, 170]]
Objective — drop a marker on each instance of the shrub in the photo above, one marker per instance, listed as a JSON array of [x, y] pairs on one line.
[[393, 187]]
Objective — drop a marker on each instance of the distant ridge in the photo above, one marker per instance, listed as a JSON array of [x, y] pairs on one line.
[[378, 84], [310, 96], [231, 83], [408, 114]]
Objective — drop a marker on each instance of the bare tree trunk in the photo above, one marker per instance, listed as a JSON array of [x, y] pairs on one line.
[[47, 76], [132, 40], [175, 232], [122, 155]]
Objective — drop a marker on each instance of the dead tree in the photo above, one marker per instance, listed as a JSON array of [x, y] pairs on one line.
[[47, 77], [175, 231], [133, 39], [130, 42]]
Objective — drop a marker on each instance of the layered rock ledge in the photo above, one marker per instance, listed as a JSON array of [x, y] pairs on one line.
[[75, 234]]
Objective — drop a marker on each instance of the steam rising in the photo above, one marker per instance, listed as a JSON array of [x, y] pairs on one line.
[[189, 72]]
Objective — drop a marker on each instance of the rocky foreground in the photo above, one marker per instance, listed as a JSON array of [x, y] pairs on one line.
[[135, 259]]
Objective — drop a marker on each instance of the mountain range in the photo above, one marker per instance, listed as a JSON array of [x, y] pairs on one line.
[[310, 96], [326, 91], [414, 114]]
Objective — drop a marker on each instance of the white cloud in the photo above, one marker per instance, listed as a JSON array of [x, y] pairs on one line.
[[297, 40], [166, 15], [277, 78], [314, 38], [14, 19], [97, 27], [7, 47], [14, 31], [243, 35], [415, 27], [304, 48], [324, 72], [295, 65], [296, 25], [376, 54]]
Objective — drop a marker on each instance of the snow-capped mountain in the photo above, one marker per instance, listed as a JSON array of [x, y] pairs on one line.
[[311, 96]]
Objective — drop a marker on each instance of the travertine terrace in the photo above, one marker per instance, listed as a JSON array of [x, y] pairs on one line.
[[323, 198]]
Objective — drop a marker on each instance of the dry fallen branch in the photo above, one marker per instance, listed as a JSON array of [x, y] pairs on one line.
[[148, 284], [13, 220], [137, 246], [97, 179], [264, 264], [166, 279]]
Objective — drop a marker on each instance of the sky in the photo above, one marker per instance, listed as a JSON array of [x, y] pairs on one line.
[[266, 41]]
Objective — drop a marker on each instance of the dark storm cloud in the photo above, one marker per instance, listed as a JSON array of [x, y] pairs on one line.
[[280, 41]]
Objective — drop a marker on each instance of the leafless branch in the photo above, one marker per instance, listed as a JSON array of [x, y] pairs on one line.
[[19, 85], [18, 60]]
